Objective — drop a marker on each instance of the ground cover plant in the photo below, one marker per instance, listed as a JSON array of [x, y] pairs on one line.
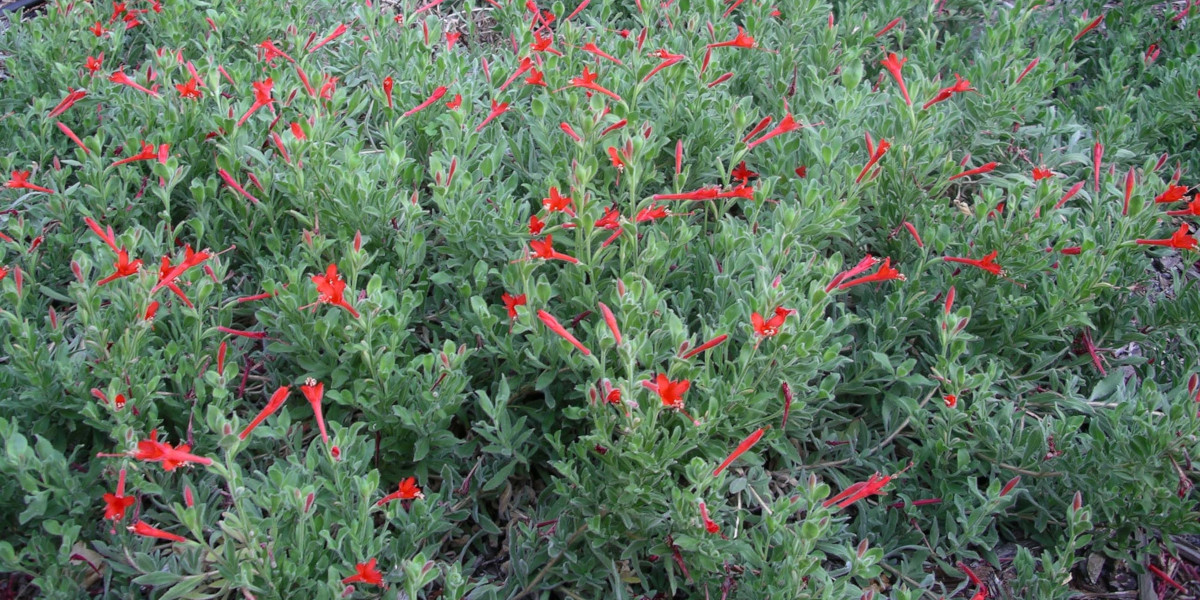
[[649, 299]]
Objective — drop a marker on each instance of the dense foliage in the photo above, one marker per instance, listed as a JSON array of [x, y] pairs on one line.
[[317, 299]]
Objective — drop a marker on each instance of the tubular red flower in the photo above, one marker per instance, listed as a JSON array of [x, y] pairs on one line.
[[276, 401], [614, 127], [437, 94], [592, 48], [121, 78], [886, 28], [872, 486], [567, 129], [497, 110], [1129, 185], [337, 32], [20, 181], [987, 263], [1191, 210], [611, 321], [255, 335], [877, 154], [262, 97], [1029, 68], [1090, 26], [668, 60], [912, 230], [742, 40], [709, 525], [710, 344], [144, 529], [863, 265], [73, 96], [588, 81], [366, 572], [330, 290], [720, 79], [786, 124], [988, 168], [544, 249], [1070, 194], [237, 187], [740, 450], [949, 305], [960, 86], [1180, 240], [314, 392], [557, 328], [1173, 193], [885, 273], [894, 64], [1097, 162]]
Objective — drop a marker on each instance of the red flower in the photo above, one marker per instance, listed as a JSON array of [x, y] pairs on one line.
[[276, 401], [191, 259], [951, 400], [270, 52], [1090, 26], [437, 94], [1070, 194], [152, 450], [20, 181], [190, 89], [94, 64], [988, 168], [885, 273], [535, 225], [888, 27], [709, 525], [330, 290], [144, 529], [1179, 240], [717, 341], [1192, 209], [544, 249], [1040, 173], [73, 96], [871, 487], [1173, 193], [123, 79], [570, 131], [615, 158], [960, 86], [262, 97], [115, 506], [894, 64], [670, 392], [314, 392], [770, 327], [365, 573], [740, 450], [742, 40], [148, 152], [786, 124], [408, 490], [512, 302], [454, 103], [1029, 68], [741, 172], [237, 187], [122, 267], [988, 263], [591, 48], [587, 81], [668, 59], [541, 44], [535, 78], [498, 108], [337, 32], [557, 203], [876, 154], [552, 323], [611, 321]]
